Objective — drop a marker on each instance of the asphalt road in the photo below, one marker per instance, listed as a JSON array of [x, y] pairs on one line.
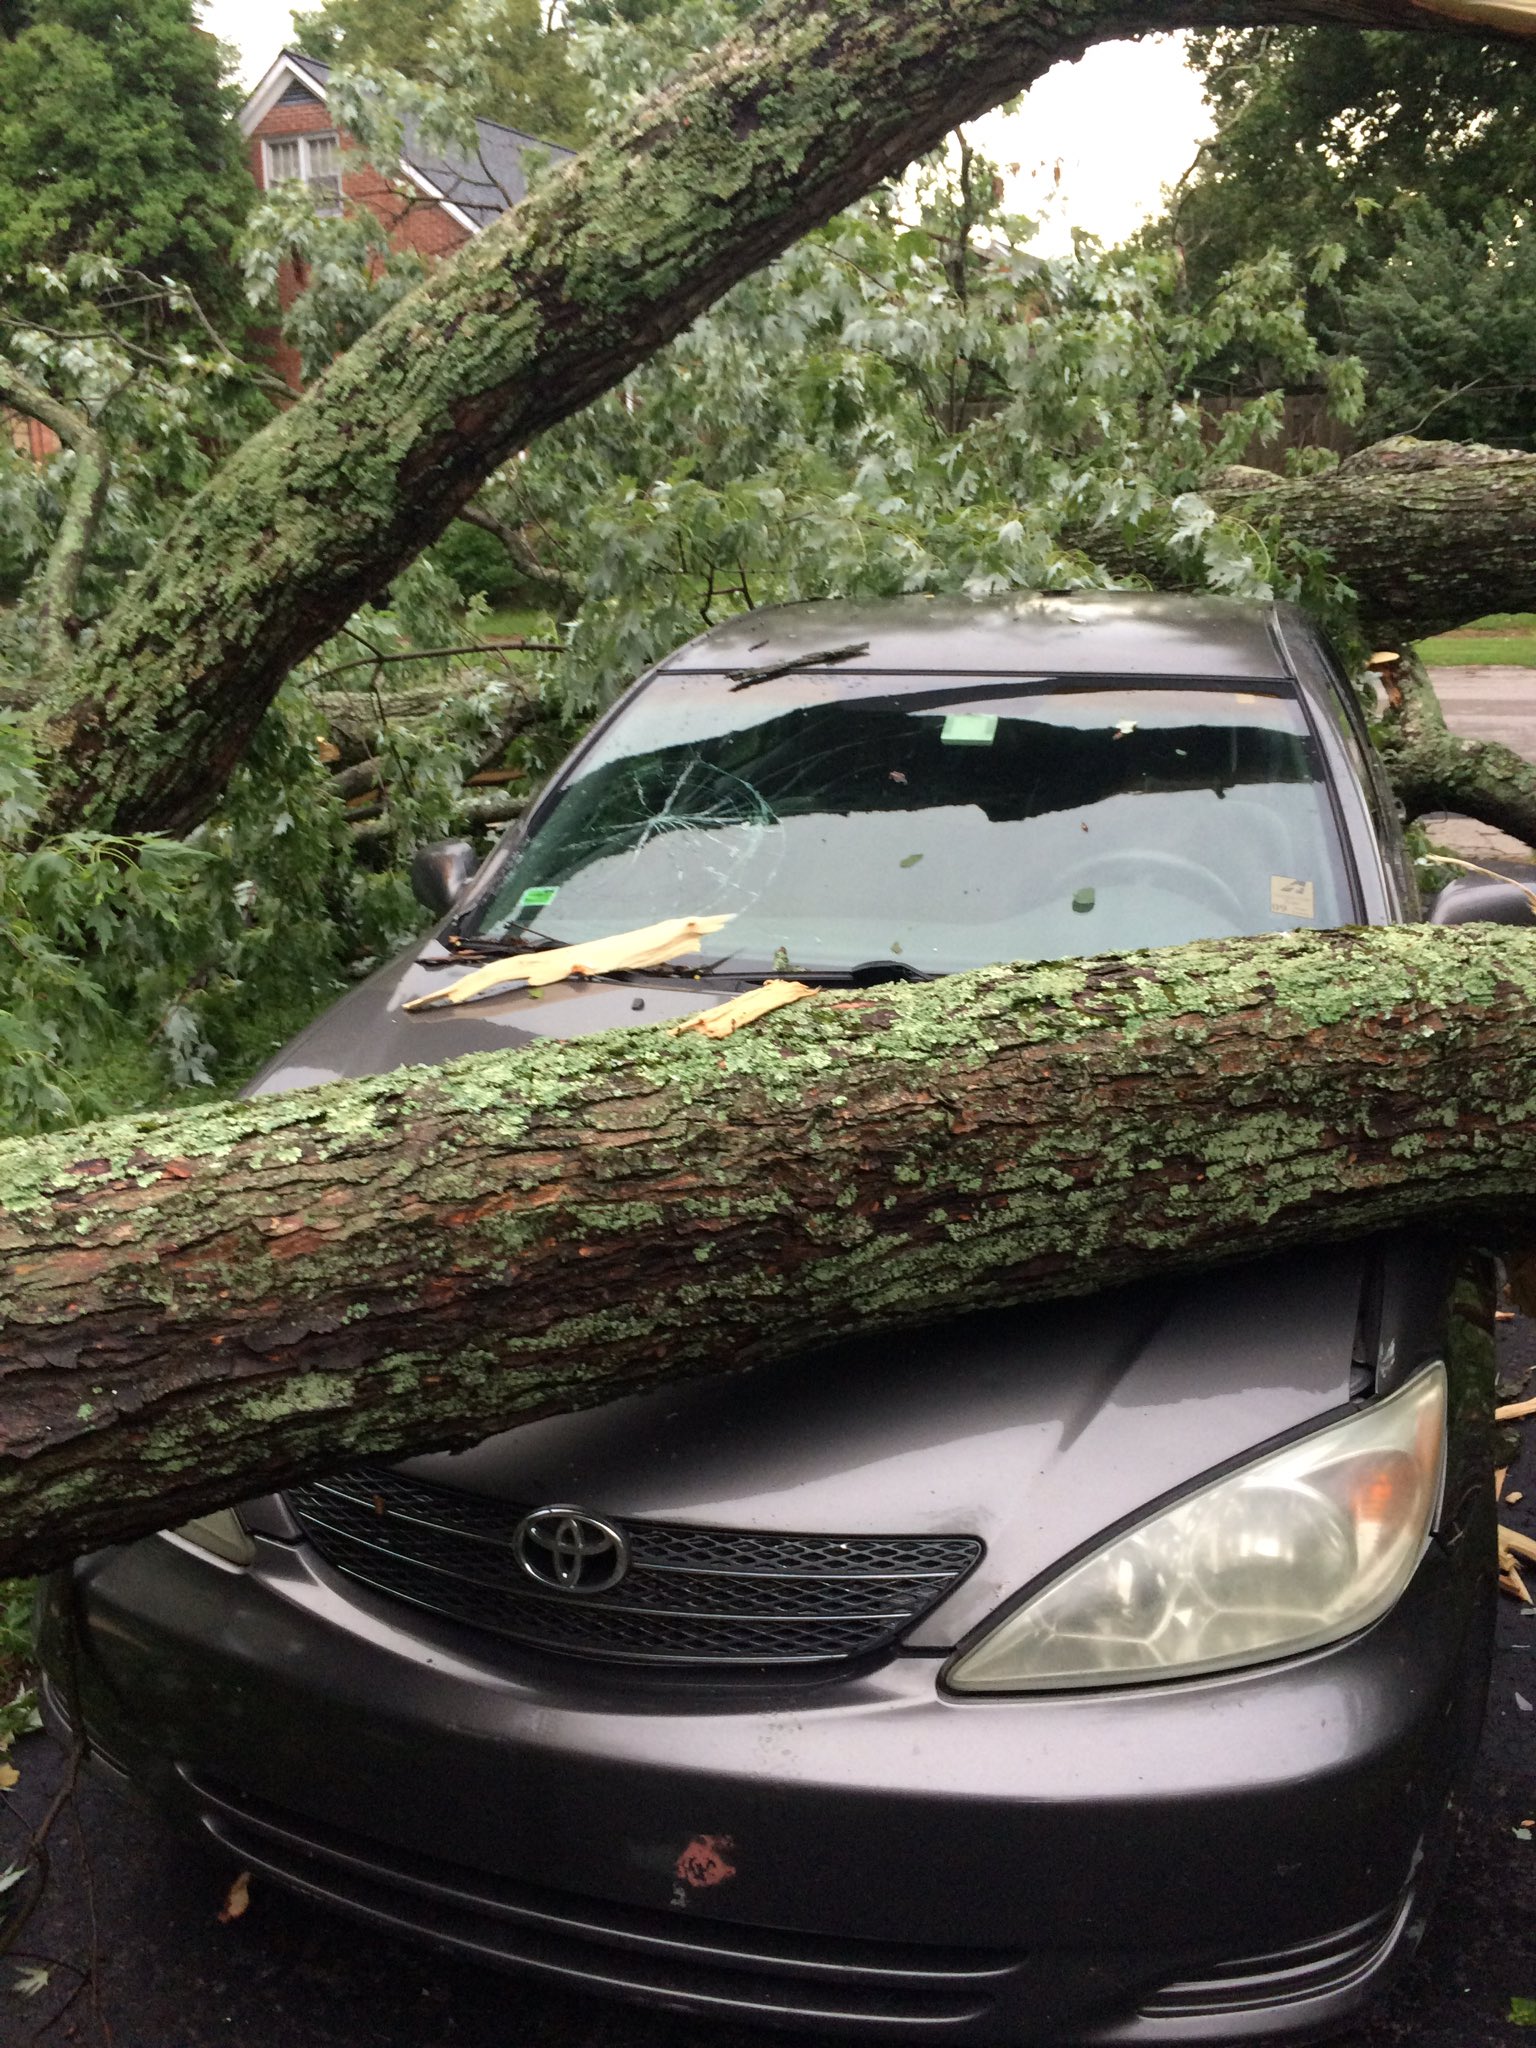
[[1485, 703], [133, 1900]]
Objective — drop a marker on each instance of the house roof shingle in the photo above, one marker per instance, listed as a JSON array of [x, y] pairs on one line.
[[482, 186]]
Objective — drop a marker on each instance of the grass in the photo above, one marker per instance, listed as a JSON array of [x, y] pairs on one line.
[[1503, 640], [505, 625]]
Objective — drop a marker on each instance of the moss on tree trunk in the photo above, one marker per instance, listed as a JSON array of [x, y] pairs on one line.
[[200, 1305]]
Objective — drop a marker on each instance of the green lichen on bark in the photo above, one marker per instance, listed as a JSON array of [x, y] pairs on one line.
[[200, 1304]]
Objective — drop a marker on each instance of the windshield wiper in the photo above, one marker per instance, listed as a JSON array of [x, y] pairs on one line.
[[475, 947], [868, 974], [744, 678]]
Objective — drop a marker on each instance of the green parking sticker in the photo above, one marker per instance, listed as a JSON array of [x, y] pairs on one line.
[[969, 729], [535, 899]]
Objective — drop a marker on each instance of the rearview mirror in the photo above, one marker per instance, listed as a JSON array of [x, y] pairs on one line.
[[439, 872], [1473, 900]]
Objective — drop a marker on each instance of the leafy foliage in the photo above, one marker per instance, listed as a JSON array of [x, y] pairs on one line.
[[1331, 134], [498, 56], [908, 401], [1407, 163], [116, 136], [353, 269], [18, 1701], [168, 410], [90, 921], [1446, 328]]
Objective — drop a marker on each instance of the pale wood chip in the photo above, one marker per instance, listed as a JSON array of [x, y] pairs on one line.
[[725, 1018], [1517, 1543], [647, 946], [1515, 1411], [1499, 1478]]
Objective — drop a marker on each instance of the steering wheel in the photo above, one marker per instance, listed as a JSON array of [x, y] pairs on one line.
[[1171, 871]]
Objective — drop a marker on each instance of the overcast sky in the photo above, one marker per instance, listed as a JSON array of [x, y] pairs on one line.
[[1121, 123]]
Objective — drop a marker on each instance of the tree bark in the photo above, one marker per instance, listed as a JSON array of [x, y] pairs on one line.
[[1433, 769], [805, 109], [204, 1304], [1428, 534]]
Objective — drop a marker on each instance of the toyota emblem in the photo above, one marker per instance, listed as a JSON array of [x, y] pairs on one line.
[[566, 1551]]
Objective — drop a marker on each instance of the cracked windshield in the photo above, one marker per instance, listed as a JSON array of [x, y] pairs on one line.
[[935, 825]]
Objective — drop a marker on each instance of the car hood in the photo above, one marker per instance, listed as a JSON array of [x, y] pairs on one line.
[[1034, 1429], [370, 1031]]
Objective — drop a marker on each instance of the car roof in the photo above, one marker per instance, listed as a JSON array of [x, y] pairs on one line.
[[1089, 633]]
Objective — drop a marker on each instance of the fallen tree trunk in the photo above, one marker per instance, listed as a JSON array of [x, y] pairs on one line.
[[806, 108], [1428, 534], [203, 1304], [1434, 769]]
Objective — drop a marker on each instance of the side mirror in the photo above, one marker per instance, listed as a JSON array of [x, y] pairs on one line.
[[439, 872], [1473, 900]]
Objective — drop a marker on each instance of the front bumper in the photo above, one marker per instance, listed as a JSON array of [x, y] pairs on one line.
[[1239, 1857]]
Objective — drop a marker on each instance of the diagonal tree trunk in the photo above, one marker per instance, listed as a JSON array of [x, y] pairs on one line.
[[204, 1304], [809, 106]]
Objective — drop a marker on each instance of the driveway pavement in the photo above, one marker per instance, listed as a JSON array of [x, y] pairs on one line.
[[143, 1905], [1485, 703]]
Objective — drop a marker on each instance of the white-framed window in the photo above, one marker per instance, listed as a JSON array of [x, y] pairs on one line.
[[313, 160]]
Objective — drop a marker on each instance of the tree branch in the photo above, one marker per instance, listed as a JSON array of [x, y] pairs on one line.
[[83, 506], [564, 592], [1428, 534], [1432, 769]]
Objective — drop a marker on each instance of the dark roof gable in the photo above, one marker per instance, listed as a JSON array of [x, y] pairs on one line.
[[479, 186]]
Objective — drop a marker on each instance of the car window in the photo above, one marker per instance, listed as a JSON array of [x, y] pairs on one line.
[[945, 826]]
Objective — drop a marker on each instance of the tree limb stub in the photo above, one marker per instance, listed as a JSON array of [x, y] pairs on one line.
[[203, 1304], [812, 103]]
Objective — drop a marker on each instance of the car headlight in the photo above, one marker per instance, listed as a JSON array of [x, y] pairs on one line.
[[1295, 1550], [222, 1534]]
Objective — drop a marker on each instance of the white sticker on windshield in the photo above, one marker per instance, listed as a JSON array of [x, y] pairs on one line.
[[969, 729], [1288, 898]]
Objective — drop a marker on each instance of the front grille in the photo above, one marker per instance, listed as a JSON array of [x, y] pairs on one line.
[[690, 1596]]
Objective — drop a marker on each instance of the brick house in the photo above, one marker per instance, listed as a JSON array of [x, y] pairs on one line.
[[448, 198]]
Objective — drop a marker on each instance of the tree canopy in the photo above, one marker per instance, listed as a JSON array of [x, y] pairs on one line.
[[512, 63], [1400, 170], [117, 138]]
